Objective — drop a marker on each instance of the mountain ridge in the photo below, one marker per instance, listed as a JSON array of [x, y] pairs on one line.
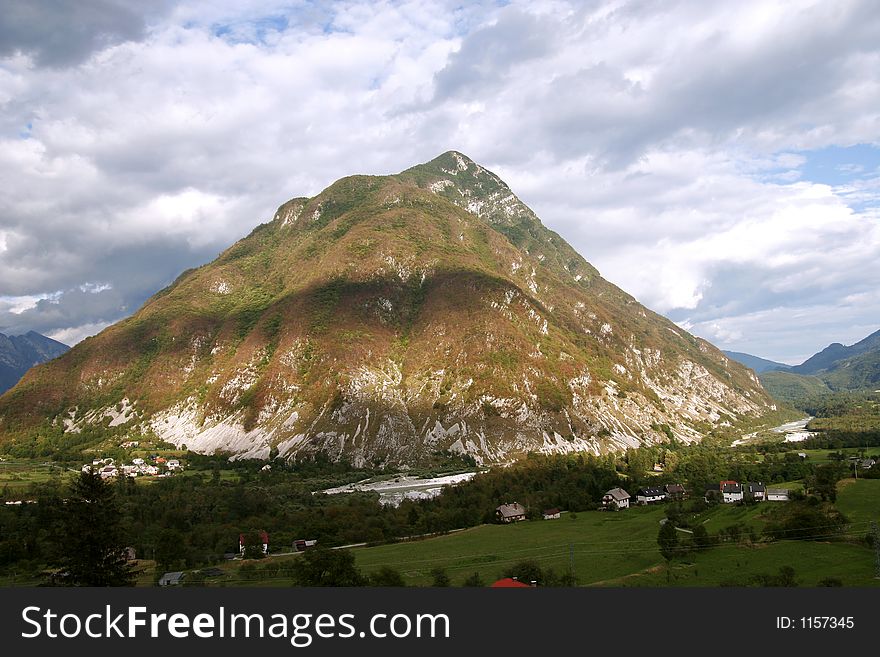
[[18, 353], [755, 363]]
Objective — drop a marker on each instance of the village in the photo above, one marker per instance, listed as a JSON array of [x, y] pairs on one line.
[[617, 499], [158, 466]]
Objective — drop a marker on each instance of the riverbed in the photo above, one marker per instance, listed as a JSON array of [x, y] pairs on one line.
[[795, 432], [393, 491]]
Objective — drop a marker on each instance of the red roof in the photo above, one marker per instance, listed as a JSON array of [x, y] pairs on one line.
[[263, 535], [509, 583]]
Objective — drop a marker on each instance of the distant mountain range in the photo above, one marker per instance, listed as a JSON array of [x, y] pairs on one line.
[[756, 362], [836, 367], [19, 353]]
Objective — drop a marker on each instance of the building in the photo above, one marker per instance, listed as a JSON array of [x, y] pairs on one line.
[[756, 492], [513, 512], [510, 583], [731, 491], [551, 514], [777, 495], [675, 491], [130, 553], [650, 495], [301, 545], [108, 471], [173, 464], [264, 539], [616, 496], [172, 579]]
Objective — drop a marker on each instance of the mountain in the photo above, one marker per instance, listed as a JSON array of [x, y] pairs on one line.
[[755, 362], [383, 319], [19, 353], [855, 366], [793, 388]]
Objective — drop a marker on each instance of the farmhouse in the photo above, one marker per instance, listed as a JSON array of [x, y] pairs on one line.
[[551, 514], [777, 495], [675, 491], [650, 495], [756, 492], [264, 539], [301, 544], [617, 497], [513, 512], [731, 491]]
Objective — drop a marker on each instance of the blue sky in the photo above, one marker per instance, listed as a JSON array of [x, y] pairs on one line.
[[717, 160]]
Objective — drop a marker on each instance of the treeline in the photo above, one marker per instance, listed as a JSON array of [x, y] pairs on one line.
[[191, 521]]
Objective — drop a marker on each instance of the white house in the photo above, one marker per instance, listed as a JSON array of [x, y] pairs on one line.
[[551, 514], [618, 496], [777, 495], [731, 491], [264, 539], [108, 471], [650, 495], [137, 461], [173, 464]]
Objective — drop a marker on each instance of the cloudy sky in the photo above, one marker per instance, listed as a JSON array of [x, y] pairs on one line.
[[720, 161]]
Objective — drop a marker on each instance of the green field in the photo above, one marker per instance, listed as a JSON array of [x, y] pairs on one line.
[[599, 545], [17, 475], [615, 549], [724, 565], [859, 500], [621, 550]]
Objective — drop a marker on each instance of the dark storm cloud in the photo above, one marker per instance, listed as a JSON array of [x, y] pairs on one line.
[[63, 33]]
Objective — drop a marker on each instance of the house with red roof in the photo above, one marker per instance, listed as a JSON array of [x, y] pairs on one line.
[[264, 538]]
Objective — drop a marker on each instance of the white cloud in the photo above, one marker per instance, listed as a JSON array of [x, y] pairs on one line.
[[666, 141]]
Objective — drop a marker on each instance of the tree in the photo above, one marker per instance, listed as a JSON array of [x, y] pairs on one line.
[[474, 580], [325, 567], [89, 547], [823, 482], [667, 539], [170, 549], [701, 537], [387, 576], [440, 577], [528, 571]]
